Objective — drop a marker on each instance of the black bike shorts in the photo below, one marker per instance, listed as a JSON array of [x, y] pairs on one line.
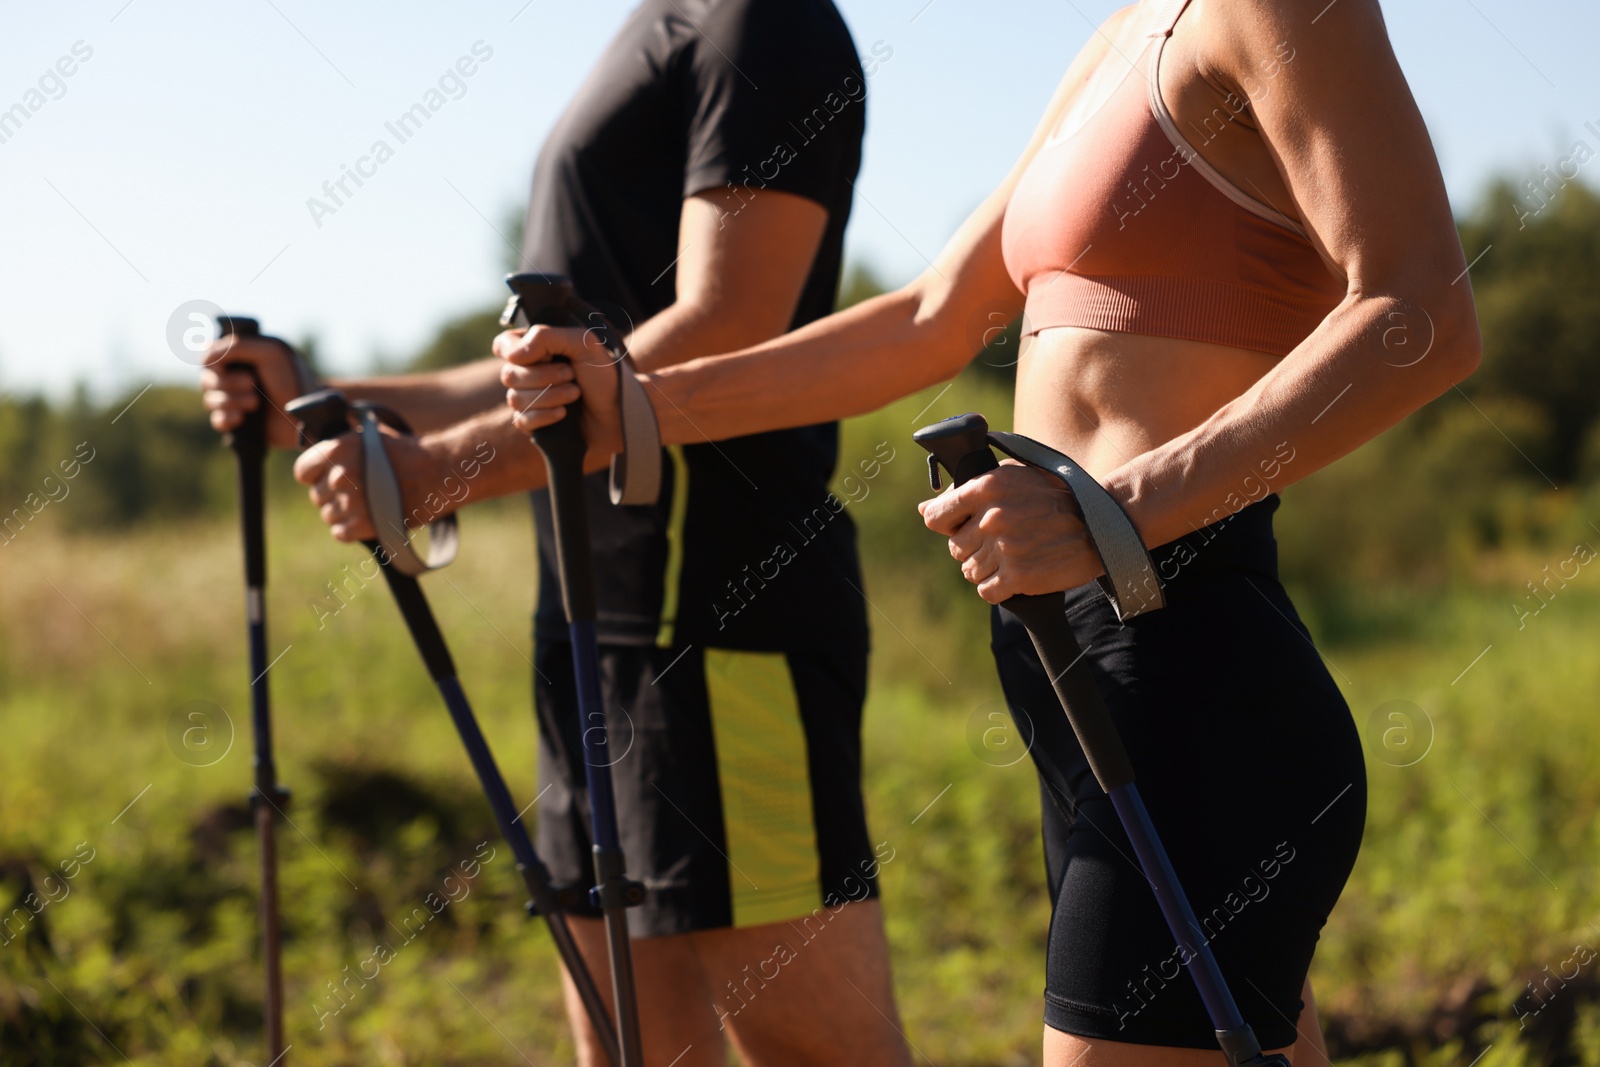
[[737, 778], [1248, 759]]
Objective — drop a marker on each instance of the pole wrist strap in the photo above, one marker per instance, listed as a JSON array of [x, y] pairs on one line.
[[636, 470], [387, 507]]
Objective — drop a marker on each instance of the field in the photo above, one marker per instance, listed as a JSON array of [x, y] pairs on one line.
[[126, 758]]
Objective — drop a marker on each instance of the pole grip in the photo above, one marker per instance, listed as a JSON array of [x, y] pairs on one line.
[[549, 300], [322, 416], [249, 438], [249, 443], [961, 446]]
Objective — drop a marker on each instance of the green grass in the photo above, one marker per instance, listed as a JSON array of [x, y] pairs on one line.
[[1478, 871]]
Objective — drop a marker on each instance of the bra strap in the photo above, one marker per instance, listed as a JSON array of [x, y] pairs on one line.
[[1169, 17]]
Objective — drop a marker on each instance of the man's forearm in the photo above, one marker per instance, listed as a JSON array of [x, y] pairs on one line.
[[434, 400]]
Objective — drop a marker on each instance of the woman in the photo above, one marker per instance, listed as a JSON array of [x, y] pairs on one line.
[[1239, 264]]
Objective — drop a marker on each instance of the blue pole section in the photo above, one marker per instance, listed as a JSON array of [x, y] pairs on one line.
[[1175, 906], [266, 776], [494, 786], [596, 738]]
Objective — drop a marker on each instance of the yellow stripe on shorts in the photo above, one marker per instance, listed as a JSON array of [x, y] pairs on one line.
[[774, 869], [675, 521]]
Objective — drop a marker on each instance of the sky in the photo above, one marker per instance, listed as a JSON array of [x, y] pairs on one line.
[[175, 162]]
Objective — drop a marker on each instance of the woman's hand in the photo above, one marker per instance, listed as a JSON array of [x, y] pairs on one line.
[[539, 386], [1014, 530]]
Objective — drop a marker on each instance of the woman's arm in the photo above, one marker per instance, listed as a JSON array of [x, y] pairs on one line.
[[1352, 147], [734, 284], [851, 362]]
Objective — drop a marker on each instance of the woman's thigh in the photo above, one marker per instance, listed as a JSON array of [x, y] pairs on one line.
[[1251, 767], [1068, 1050]]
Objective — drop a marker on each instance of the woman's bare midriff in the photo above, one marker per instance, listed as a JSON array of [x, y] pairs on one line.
[[1104, 398]]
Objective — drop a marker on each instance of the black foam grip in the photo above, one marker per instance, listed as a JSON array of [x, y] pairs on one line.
[[961, 447], [549, 300], [322, 415], [249, 443]]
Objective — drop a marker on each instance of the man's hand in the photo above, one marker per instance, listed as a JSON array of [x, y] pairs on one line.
[[334, 472], [539, 386], [1014, 530], [228, 393]]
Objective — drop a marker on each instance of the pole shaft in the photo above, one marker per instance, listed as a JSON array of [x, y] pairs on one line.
[[249, 447], [535, 876], [562, 446], [609, 868], [324, 416], [267, 833], [597, 758], [1175, 907]]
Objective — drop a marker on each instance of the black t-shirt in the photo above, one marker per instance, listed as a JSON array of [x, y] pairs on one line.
[[746, 547]]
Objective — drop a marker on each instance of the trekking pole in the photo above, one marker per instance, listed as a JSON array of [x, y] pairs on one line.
[[268, 799], [324, 415], [548, 299], [961, 445]]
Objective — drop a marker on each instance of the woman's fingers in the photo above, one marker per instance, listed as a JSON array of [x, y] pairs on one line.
[[980, 566], [949, 511], [505, 341], [1013, 531], [539, 387], [994, 590], [538, 395]]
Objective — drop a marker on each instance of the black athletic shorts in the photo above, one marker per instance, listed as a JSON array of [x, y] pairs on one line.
[[737, 778], [1251, 766]]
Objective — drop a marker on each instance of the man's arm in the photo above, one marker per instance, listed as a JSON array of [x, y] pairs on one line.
[[739, 281], [428, 401], [849, 363], [435, 399]]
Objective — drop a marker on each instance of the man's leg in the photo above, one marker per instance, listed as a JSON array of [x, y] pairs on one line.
[[676, 1020], [812, 991], [815, 992]]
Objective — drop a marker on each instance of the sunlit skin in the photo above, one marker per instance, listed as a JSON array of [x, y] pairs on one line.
[[732, 289], [455, 411], [1172, 428]]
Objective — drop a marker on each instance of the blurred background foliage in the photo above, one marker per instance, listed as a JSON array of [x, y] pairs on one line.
[[1454, 944]]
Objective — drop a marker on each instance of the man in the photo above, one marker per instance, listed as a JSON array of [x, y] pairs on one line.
[[698, 188]]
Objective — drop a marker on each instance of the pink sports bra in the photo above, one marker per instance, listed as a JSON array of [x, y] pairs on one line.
[[1120, 225]]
